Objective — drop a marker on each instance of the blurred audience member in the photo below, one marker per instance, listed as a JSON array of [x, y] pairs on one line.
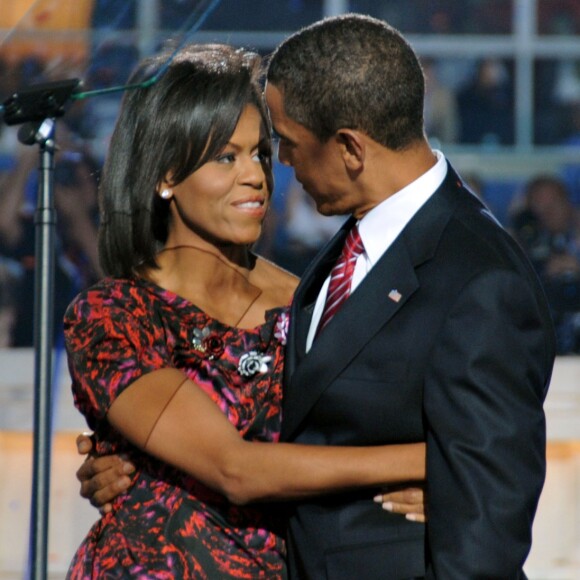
[[550, 119], [441, 114], [547, 226], [489, 16], [10, 273], [571, 170], [486, 105], [76, 263], [559, 17], [567, 82], [441, 16]]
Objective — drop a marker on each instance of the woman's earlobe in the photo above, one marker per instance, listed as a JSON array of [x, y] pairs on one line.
[[164, 190]]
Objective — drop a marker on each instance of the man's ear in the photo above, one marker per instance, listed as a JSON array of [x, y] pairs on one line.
[[353, 148]]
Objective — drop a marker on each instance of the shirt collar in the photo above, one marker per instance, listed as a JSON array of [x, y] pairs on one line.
[[381, 226]]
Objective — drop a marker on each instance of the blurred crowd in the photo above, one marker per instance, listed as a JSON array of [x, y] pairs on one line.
[[472, 102], [468, 101], [546, 223], [76, 261]]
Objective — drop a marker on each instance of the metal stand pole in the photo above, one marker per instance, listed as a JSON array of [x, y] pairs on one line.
[[45, 224], [35, 108]]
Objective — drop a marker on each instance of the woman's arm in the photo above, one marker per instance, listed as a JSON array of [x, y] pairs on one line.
[[105, 477], [171, 418]]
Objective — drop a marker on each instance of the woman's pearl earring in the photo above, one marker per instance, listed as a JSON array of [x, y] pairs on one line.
[[166, 193]]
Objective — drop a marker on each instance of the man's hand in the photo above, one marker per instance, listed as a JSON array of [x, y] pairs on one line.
[[102, 478], [407, 500]]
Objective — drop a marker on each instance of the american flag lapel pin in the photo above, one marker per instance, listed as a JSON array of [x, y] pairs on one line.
[[395, 295]]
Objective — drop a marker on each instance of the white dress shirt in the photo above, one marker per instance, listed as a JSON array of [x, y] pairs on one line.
[[381, 226]]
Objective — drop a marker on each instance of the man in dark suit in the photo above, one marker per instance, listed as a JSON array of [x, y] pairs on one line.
[[446, 336]]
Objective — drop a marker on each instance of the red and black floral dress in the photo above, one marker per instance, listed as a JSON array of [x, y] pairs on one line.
[[168, 525]]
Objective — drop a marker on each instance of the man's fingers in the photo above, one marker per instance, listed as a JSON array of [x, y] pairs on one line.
[[104, 469], [85, 471], [105, 509], [101, 496], [84, 443], [104, 478]]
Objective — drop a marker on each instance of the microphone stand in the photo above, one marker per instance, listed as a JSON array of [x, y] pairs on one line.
[[36, 108]]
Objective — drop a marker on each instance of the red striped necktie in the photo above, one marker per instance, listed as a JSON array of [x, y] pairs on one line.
[[341, 277]]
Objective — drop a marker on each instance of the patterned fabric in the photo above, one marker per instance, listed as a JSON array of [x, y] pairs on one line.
[[341, 276], [168, 525]]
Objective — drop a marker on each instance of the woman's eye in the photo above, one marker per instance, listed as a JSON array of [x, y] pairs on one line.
[[226, 158], [261, 156]]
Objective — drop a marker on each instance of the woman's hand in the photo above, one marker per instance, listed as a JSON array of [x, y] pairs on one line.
[[102, 478], [409, 501]]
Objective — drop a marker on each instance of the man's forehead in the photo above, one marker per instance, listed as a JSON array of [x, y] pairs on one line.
[[269, 90], [275, 102]]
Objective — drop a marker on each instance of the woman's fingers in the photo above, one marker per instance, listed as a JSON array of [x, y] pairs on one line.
[[409, 501]]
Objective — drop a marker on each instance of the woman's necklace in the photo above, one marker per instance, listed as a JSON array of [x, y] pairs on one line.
[[218, 257], [250, 363], [252, 302]]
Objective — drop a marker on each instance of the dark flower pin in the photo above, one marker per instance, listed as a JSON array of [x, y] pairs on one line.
[[208, 343]]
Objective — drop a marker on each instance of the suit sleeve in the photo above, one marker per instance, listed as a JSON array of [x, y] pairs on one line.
[[485, 425]]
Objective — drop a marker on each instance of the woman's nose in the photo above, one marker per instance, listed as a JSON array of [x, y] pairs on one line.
[[253, 173]]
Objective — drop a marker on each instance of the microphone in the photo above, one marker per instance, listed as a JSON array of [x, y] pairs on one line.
[[36, 103]]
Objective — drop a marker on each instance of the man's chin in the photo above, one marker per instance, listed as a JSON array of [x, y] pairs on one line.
[[330, 210], [324, 208]]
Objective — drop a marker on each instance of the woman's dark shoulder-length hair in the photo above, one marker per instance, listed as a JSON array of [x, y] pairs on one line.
[[171, 127]]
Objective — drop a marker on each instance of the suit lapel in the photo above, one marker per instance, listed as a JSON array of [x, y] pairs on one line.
[[347, 333], [386, 289], [306, 295]]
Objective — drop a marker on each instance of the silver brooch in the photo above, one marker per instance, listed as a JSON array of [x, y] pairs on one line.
[[252, 363]]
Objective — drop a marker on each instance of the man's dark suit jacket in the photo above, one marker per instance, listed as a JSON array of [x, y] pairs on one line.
[[462, 360]]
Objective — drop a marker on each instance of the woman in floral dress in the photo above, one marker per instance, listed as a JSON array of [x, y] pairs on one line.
[[176, 357]]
